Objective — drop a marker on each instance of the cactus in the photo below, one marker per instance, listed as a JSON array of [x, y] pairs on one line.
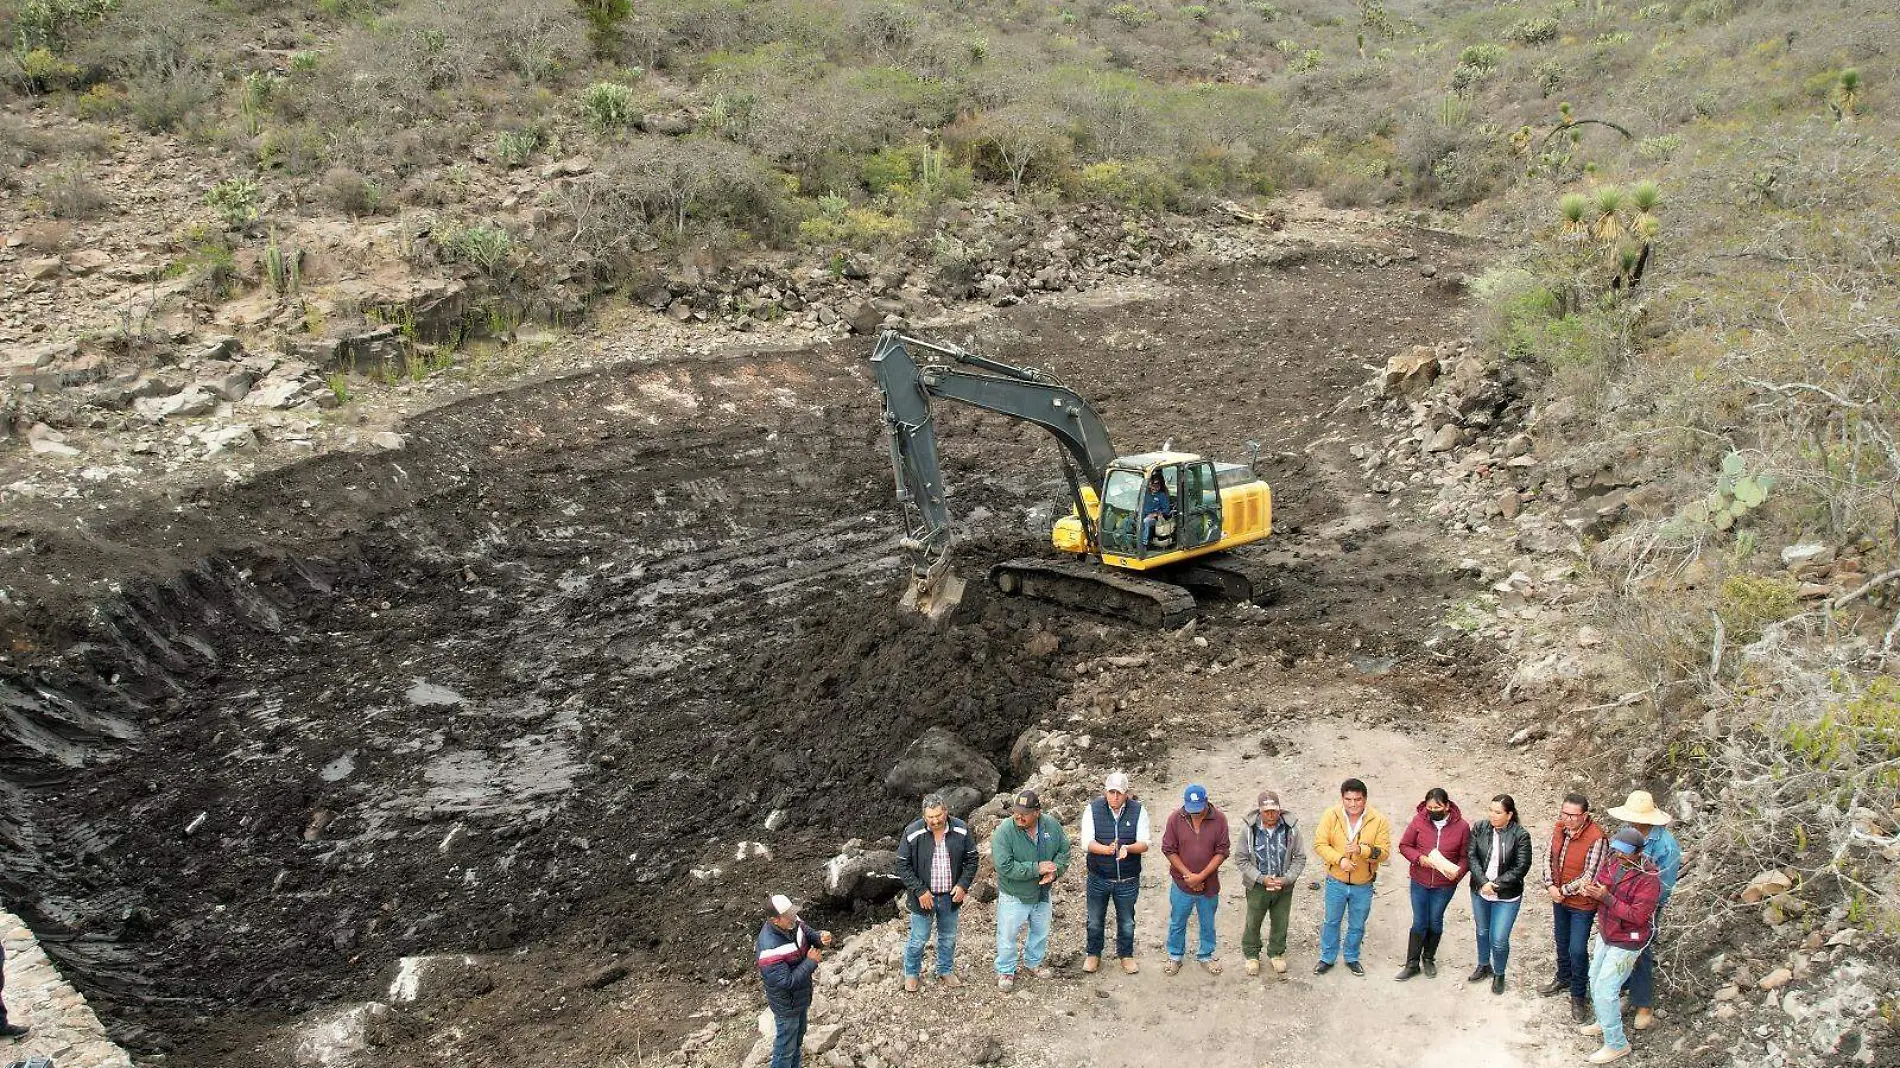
[[1736, 494]]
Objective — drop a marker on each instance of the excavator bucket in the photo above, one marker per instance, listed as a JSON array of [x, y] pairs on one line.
[[934, 592]]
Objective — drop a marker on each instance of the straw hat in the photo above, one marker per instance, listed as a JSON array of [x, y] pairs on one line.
[[1640, 808]]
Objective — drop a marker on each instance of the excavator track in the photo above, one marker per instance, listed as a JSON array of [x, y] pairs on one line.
[[1230, 576], [1091, 587]]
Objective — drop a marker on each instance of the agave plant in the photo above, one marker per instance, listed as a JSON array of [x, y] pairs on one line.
[[1609, 208]]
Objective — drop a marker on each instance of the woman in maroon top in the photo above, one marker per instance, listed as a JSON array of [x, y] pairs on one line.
[[1435, 843]]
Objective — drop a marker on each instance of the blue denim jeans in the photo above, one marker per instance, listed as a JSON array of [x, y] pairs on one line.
[[1123, 893], [1011, 914], [1428, 907], [1494, 920], [788, 1040], [1642, 982], [1353, 904], [943, 916], [1180, 903], [1571, 928], [1610, 966]]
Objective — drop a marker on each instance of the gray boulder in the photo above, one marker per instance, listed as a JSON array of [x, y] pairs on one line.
[[940, 761], [869, 876]]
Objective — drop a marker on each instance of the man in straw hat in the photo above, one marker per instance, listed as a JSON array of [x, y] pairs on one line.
[[1662, 849]]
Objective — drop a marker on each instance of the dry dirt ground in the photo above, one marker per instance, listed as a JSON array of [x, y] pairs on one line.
[[504, 692]]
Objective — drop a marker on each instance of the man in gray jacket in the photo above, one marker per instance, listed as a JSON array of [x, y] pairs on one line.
[[1271, 855]]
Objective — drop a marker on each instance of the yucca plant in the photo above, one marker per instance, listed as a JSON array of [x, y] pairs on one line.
[[1847, 94], [1575, 209], [1609, 218], [1646, 197]]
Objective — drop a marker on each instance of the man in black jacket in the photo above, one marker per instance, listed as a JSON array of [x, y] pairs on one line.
[[937, 862]]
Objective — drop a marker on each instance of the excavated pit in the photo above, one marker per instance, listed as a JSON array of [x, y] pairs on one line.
[[516, 684]]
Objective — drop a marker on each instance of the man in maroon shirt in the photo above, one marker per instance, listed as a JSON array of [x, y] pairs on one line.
[[1195, 844], [1626, 888]]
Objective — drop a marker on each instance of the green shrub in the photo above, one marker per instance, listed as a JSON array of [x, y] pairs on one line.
[[304, 61], [484, 247], [46, 72], [863, 228], [235, 200], [1131, 16], [1141, 184], [609, 106], [47, 24], [1750, 602], [513, 147], [1532, 31], [102, 101]]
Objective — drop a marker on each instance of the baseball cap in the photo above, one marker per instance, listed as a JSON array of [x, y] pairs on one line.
[[1269, 799], [1627, 841], [1027, 801], [1116, 781], [1195, 799], [783, 906]]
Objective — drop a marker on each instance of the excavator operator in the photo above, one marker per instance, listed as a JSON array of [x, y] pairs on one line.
[[1155, 507]]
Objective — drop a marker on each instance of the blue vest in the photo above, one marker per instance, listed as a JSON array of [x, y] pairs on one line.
[[1120, 832]]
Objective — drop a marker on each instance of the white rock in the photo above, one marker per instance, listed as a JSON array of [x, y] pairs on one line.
[[1805, 553], [388, 441]]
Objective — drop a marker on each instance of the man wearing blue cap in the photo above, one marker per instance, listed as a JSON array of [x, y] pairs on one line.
[[1195, 844], [1626, 888]]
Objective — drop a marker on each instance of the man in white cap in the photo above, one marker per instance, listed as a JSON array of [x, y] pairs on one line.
[[1115, 832], [788, 957], [1662, 849]]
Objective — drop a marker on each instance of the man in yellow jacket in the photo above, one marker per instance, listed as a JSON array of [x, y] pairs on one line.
[[1353, 839]]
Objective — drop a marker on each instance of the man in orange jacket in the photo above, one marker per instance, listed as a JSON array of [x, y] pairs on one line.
[[1353, 839]]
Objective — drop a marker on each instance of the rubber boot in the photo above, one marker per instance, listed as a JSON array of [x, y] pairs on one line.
[[1428, 960], [1412, 949]]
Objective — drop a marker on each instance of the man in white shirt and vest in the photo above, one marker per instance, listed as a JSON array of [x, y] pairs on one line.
[[1115, 833]]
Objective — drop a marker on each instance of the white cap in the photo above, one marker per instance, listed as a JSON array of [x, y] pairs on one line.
[[1116, 781], [782, 905]]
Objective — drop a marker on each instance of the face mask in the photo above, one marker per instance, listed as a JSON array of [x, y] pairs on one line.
[[1437, 817]]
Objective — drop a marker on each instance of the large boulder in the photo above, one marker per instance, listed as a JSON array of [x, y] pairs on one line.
[[939, 761], [869, 876]]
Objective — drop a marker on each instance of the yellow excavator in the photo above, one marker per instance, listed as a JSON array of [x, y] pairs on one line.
[[1143, 530]]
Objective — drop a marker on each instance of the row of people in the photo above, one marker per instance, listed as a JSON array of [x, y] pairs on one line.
[[1623, 878]]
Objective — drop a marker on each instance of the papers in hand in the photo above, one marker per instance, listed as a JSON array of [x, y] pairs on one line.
[[1444, 867]]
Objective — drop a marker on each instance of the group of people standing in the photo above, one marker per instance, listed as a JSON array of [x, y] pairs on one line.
[[1615, 882]]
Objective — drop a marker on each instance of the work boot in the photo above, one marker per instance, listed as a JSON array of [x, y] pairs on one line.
[[12, 1030], [910, 984], [1322, 967], [1006, 982], [1253, 966], [1278, 964], [1580, 1010], [1497, 984], [1091, 963], [1479, 974], [1428, 959], [1414, 944], [1606, 1055], [1129, 965], [950, 979], [1645, 1019], [1553, 988]]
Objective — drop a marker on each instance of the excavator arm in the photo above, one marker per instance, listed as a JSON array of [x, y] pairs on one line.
[[994, 386]]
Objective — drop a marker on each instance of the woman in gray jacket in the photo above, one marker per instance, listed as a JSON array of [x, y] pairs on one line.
[[1500, 855]]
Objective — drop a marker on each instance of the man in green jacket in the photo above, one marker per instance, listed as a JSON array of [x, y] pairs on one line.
[[1030, 852]]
